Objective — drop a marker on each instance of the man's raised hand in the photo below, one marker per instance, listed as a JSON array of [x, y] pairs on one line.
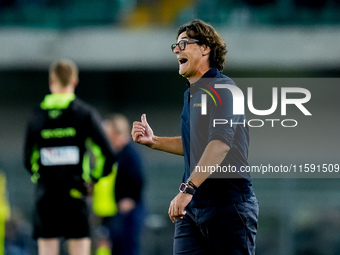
[[142, 133]]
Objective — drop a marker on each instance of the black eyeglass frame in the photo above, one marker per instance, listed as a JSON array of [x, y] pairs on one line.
[[184, 43]]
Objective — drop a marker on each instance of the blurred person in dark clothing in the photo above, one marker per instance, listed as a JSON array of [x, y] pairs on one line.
[[126, 226], [60, 134]]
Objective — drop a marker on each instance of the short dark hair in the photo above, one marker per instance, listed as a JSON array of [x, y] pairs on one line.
[[207, 35], [64, 70]]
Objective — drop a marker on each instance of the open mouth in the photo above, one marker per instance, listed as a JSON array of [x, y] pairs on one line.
[[183, 61]]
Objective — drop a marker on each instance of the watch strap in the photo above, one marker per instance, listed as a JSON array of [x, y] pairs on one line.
[[190, 183], [189, 190]]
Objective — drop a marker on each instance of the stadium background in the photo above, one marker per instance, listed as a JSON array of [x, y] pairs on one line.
[[123, 51]]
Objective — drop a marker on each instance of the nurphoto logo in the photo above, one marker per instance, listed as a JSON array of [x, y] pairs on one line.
[[303, 95]]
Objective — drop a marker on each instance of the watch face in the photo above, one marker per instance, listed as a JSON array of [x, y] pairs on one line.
[[182, 187]]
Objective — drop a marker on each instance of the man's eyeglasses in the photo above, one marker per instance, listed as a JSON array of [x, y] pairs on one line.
[[182, 44]]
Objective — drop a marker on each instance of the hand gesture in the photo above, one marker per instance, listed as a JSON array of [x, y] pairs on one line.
[[142, 132]]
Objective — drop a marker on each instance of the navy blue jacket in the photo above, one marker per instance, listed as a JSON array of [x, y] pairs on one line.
[[198, 130], [130, 179]]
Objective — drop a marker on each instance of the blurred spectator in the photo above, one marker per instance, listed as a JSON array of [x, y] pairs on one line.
[[125, 227]]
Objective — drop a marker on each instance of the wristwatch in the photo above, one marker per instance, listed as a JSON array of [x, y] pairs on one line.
[[185, 188]]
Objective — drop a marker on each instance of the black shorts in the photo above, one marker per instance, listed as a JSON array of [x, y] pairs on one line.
[[60, 216]]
